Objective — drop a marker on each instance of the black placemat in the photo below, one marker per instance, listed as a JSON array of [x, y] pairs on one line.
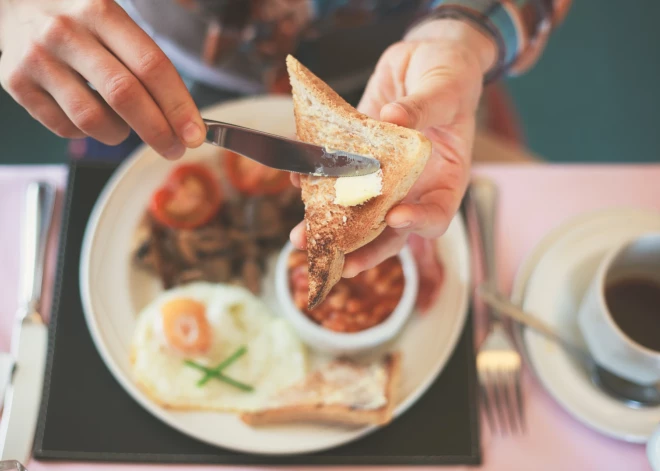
[[86, 415]]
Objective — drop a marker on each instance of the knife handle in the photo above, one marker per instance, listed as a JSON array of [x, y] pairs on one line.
[[38, 213], [11, 465]]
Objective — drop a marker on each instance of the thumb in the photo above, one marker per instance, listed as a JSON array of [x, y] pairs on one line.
[[434, 101]]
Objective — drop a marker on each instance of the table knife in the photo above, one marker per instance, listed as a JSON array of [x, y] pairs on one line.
[[288, 154], [11, 465], [6, 366], [29, 339]]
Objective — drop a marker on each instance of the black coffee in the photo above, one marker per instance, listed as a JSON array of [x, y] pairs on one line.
[[635, 306]]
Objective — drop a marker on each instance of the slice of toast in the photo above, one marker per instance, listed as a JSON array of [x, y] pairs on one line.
[[341, 392], [324, 118]]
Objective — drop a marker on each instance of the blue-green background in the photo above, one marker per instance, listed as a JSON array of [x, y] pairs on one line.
[[594, 96]]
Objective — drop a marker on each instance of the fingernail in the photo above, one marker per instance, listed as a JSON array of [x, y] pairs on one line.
[[401, 225], [176, 151], [191, 133]]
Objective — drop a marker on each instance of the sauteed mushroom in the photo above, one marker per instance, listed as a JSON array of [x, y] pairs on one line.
[[217, 269], [143, 251], [189, 276], [198, 244], [267, 218], [252, 275], [234, 245]]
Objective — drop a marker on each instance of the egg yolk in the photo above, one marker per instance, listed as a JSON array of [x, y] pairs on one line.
[[186, 327]]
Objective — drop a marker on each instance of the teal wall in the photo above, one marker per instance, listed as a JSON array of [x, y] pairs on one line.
[[594, 95], [24, 140]]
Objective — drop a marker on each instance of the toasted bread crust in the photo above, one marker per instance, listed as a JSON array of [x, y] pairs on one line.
[[324, 118], [335, 413]]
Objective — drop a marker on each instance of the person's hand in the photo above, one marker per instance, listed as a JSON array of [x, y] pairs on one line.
[[52, 49], [432, 82]]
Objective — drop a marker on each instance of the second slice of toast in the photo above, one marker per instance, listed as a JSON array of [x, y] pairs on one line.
[[341, 392]]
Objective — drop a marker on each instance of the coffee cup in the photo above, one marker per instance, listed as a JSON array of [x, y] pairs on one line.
[[619, 316]]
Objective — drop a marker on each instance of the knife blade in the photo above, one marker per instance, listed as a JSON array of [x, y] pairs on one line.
[[288, 154], [29, 339]]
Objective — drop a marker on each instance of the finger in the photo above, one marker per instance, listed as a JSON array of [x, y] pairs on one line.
[[45, 109], [150, 65], [433, 102], [84, 108], [430, 268], [298, 236], [388, 244], [440, 84], [385, 84], [426, 219], [80, 104], [122, 91], [372, 99]]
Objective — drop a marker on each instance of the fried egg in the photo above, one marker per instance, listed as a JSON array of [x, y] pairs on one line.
[[205, 324]]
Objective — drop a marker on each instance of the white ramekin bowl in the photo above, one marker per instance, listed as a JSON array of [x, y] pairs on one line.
[[321, 339]]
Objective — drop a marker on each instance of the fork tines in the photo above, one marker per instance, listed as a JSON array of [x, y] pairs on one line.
[[499, 367]]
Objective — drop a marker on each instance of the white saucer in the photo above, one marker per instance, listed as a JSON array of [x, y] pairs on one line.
[[550, 283]]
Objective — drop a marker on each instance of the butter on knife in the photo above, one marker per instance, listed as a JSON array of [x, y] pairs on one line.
[[353, 191]]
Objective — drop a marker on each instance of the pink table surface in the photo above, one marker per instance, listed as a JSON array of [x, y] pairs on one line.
[[534, 199]]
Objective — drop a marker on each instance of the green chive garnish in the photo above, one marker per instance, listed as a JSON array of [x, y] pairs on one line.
[[225, 364], [216, 372]]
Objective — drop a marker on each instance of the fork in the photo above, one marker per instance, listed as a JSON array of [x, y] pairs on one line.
[[498, 362]]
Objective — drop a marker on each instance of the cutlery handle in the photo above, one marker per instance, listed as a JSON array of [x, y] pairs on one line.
[[11, 465], [38, 213], [483, 193], [506, 308]]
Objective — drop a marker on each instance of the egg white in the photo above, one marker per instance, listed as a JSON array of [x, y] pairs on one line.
[[275, 358]]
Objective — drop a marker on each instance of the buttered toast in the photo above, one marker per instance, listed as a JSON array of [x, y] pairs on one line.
[[336, 226]]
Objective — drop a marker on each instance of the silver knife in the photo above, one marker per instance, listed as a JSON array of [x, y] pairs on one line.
[[288, 154], [6, 366], [29, 339], [11, 465]]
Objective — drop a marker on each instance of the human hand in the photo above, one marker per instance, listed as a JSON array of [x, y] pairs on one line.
[[431, 271], [432, 82], [52, 49]]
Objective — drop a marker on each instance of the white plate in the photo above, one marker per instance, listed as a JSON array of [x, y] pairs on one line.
[[113, 292], [550, 283]]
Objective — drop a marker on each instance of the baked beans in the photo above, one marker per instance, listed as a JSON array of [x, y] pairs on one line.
[[353, 304]]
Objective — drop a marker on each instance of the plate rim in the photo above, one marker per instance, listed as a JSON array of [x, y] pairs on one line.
[[521, 281], [128, 385]]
